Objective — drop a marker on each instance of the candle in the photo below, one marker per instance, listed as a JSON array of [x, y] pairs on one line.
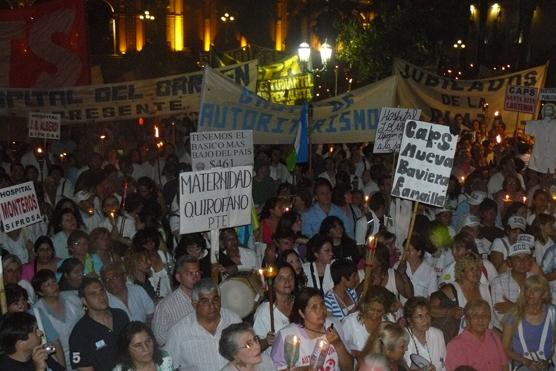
[[261, 274], [524, 199], [496, 113], [366, 200], [91, 211], [498, 139], [160, 144], [102, 136], [156, 132], [331, 149], [291, 350], [462, 179], [39, 150], [286, 209], [507, 198]]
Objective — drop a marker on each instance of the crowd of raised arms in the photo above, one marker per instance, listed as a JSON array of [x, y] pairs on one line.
[[105, 281]]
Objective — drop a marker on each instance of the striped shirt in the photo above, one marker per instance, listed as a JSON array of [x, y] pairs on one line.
[[334, 307], [193, 348], [168, 312]]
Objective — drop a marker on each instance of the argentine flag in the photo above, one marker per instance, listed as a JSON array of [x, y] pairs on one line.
[[300, 152]]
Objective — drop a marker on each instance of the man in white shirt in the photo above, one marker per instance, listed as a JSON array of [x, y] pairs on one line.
[[496, 181], [193, 341], [177, 305], [127, 296], [278, 171]]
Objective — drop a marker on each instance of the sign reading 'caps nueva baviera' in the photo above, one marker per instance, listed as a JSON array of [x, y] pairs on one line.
[[425, 163]]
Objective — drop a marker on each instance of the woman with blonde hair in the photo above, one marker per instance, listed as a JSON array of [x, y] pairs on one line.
[[391, 340], [358, 326], [449, 301], [528, 329]]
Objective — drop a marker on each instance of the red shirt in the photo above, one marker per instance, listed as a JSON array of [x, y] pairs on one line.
[[468, 350]]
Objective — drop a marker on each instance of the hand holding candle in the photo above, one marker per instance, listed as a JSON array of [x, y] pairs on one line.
[[291, 350]]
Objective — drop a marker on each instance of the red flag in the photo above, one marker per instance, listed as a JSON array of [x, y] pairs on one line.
[[44, 46]]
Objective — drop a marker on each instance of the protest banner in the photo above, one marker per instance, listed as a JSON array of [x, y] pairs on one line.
[[521, 98], [215, 199], [425, 163], [221, 149], [548, 95], [348, 118], [164, 96], [287, 90], [44, 45], [19, 206], [441, 96], [44, 125], [389, 130]]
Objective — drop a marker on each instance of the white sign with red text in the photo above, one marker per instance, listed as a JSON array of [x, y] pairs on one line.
[[521, 98], [19, 206]]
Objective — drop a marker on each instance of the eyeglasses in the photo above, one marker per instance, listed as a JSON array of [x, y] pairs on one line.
[[148, 344], [250, 344]]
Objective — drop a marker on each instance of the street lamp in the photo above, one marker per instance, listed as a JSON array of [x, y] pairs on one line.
[[146, 16], [304, 53]]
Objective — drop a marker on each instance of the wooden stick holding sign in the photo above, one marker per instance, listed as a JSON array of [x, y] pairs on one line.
[[3, 300], [215, 255], [410, 231]]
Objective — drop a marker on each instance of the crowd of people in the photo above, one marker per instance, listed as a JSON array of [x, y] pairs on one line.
[[106, 282]]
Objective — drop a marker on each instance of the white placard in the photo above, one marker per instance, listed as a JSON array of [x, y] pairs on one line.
[[19, 206], [521, 98], [44, 125], [425, 163], [548, 95], [221, 149], [215, 199], [389, 130]]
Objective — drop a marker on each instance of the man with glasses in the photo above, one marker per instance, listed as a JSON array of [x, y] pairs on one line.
[[127, 296], [93, 340], [177, 305], [193, 341]]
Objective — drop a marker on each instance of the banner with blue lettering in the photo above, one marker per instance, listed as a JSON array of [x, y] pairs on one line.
[[441, 96], [348, 118], [164, 96]]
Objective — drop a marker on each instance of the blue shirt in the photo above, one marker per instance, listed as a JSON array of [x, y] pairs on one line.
[[548, 263], [313, 217], [334, 307]]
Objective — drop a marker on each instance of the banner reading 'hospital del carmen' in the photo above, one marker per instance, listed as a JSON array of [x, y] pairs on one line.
[[44, 45], [441, 96], [163, 96], [348, 118]]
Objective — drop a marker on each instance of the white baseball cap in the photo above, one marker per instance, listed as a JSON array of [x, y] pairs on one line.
[[516, 222], [519, 248], [476, 197], [82, 196], [470, 221], [526, 238]]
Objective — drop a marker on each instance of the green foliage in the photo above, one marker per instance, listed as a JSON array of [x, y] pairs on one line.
[[417, 31]]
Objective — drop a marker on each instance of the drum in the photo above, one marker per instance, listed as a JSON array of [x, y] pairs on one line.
[[240, 293]]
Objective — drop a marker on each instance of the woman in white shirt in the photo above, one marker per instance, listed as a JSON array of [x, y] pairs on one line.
[[542, 229], [283, 290], [419, 272], [239, 345], [424, 340], [317, 270]]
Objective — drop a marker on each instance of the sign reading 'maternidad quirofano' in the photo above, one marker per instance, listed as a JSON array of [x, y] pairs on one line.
[[425, 163], [19, 206], [215, 199], [221, 149]]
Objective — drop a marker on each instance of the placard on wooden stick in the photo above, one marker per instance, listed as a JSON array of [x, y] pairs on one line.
[[44, 125], [425, 163]]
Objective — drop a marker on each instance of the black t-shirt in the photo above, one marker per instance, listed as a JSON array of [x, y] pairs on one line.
[[7, 363], [10, 364], [491, 233], [93, 344]]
